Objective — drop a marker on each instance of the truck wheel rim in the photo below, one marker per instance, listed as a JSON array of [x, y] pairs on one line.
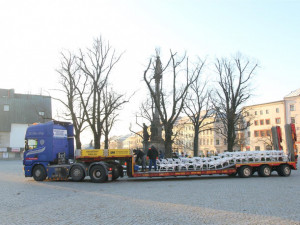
[[286, 170], [37, 173], [247, 172], [97, 173], [267, 171], [77, 172]]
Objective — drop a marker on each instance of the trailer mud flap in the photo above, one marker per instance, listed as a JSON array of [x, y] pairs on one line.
[[109, 176]]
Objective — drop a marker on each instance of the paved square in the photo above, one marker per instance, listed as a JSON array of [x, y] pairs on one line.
[[196, 200]]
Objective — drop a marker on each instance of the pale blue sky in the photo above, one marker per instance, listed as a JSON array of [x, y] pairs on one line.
[[34, 32]]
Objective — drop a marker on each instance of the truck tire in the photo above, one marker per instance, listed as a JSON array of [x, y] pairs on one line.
[[284, 170], [264, 171], [245, 172], [39, 173], [98, 174], [115, 173], [77, 173]]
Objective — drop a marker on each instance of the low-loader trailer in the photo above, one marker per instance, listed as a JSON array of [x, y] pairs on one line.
[[49, 153]]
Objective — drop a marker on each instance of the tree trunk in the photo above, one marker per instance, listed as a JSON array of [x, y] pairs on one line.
[[196, 142], [168, 141], [97, 143], [77, 141], [230, 136], [106, 141]]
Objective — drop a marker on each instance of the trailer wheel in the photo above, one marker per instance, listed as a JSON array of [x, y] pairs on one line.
[[77, 173], [284, 170], [264, 171], [98, 174], [245, 171], [39, 173]]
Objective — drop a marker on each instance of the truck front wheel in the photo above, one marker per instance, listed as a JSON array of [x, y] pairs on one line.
[[77, 173], [98, 174], [245, 171], [39, 173]]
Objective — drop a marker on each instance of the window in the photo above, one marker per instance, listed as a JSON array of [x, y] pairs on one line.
[[261, 112], [211, 142], [262, 133], [255, 122], [268, 147], [249, 133], [257, 148], [42, 113], [225, 141], [292, 119], [248, 124], [6, 108], [267, 121], [268, 133], [277, 110], [247, 114], [31, 144], [261, 122], [200, 141], [203, 141], [267, 111], [277, 121], [256, 133], [255, 112], [292, 107], [217, 142]]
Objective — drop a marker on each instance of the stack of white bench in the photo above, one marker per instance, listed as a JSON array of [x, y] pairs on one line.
[[221, 161]]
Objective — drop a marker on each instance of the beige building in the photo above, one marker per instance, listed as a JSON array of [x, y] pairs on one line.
[[133, 141], [210, 141], [263, 116]]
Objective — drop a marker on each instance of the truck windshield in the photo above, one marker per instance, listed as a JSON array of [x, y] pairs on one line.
[[31, 144]]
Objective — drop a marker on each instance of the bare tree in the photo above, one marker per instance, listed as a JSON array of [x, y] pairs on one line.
[[70, 82], [267, 140], [96, 65], [234, 77], [171, 102], [111, 102], [142, 116], [197, 106]]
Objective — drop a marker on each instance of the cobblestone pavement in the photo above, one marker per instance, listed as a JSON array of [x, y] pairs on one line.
[[199, 200]]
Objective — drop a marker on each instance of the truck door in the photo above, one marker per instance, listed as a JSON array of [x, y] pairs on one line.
[[60, 142]]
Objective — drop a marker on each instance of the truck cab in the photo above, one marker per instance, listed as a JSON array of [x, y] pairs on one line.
[[47, 144]]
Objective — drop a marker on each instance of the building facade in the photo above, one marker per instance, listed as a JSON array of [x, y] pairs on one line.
[[263, 116], [17, 111]]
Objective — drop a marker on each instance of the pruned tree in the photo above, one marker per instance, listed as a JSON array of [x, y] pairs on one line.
[[71, 82], [96, 65], [171, 101], [234, 76]]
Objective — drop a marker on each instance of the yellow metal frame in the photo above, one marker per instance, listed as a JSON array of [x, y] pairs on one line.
[[105, 152]]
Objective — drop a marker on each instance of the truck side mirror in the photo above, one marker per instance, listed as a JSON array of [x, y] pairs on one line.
[[26, 145]]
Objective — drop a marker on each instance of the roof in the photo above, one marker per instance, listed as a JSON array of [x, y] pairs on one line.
[[23, 109], [293, 93]]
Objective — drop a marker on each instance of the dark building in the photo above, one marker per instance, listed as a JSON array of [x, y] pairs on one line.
[[17, 111]]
